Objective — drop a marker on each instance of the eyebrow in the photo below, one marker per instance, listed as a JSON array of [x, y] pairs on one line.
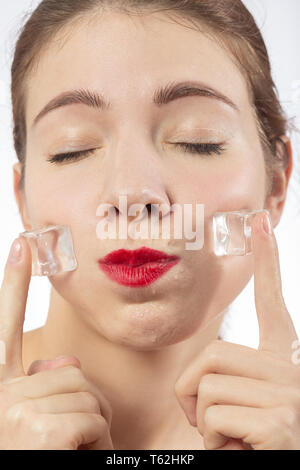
[[162, 96]]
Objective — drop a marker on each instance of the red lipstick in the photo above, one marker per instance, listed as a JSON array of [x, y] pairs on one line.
[[136, 268]]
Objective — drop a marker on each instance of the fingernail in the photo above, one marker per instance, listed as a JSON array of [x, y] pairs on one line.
[[15, 253], [59, 357], [267, 224]]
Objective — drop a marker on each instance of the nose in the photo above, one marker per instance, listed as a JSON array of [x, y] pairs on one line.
[[138, 175], [143, 195]]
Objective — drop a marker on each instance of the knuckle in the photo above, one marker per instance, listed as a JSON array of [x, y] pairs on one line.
[[280, 424], [108, 411], [211, 357], [285, 427], [21, 418], [209, 418], [206, 385], [18, 414], [44, 429], [77, 377], [73, 440], [72, 369], [178, 388], [101, 423], [91, 401], [74, 435], [49, 434], [212, 354], [287, 418]]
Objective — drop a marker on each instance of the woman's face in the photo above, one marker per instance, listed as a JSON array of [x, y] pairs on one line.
[[126, 60]]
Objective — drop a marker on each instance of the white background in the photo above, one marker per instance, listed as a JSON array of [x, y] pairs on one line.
[[279, 23]]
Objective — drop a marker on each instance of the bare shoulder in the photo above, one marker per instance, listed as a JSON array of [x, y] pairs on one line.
[[30, 349]]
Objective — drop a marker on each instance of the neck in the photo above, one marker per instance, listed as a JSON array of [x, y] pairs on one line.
[[138, 384]]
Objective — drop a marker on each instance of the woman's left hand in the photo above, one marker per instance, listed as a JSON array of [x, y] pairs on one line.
[[242, 398]]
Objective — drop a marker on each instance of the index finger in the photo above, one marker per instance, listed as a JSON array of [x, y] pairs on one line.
[[13, 297], [276, 328]]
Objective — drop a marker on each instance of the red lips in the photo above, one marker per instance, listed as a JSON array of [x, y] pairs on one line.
[[138, 267]]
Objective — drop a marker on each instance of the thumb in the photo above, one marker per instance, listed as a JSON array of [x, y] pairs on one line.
[[61, 361]]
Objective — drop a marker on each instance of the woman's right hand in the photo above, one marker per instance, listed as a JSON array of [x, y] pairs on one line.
[[53, 406]]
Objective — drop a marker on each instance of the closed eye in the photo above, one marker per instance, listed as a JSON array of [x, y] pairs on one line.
[[201, 148], [196, 148], [61, 157]]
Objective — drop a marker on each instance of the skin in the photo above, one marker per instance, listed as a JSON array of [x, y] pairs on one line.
[[167, 327]]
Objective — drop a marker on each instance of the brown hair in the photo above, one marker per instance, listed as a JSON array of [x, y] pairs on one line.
[[227, 21]]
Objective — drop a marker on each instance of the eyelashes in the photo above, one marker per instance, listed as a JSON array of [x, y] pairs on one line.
[[200, 149], [61, 157]]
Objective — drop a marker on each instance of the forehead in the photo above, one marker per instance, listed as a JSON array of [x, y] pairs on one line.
[[125, 58]]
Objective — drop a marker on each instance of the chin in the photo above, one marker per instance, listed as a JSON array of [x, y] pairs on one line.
[[147, 327]]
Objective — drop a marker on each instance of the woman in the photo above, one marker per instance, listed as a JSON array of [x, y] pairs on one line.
[[129, 88]]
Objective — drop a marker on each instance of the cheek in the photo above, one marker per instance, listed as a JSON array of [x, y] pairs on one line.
[[58, 200], [237, 184], [229, 187], [72, 202]]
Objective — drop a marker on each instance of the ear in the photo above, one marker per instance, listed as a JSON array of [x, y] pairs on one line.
[[276, 201], [20, 196]]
